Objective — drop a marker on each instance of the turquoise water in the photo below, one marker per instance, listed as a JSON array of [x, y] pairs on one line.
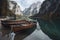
[[51, 28]]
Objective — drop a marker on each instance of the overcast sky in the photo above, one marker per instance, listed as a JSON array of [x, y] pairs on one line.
[[26, 3]]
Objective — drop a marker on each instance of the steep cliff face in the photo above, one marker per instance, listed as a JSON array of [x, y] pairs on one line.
[[49, 9], [33, 9], [4, 9], [49, 18], [15, 8]]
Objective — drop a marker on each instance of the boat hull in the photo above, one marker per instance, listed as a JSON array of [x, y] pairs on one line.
[[16, 26]]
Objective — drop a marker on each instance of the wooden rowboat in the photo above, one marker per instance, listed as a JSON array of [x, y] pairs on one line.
[[18, 25]]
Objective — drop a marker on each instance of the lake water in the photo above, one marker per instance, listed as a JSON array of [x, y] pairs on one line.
[[38, 34]]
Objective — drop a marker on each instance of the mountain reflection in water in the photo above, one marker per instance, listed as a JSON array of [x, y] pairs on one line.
[[51, 28]]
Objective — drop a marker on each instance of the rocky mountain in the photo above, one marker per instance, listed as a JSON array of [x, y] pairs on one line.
[[15, 8], [49, 18], [49, 9], [4, 9], [33, 9]]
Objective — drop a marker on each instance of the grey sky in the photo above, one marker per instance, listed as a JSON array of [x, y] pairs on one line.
[[26, 3]]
